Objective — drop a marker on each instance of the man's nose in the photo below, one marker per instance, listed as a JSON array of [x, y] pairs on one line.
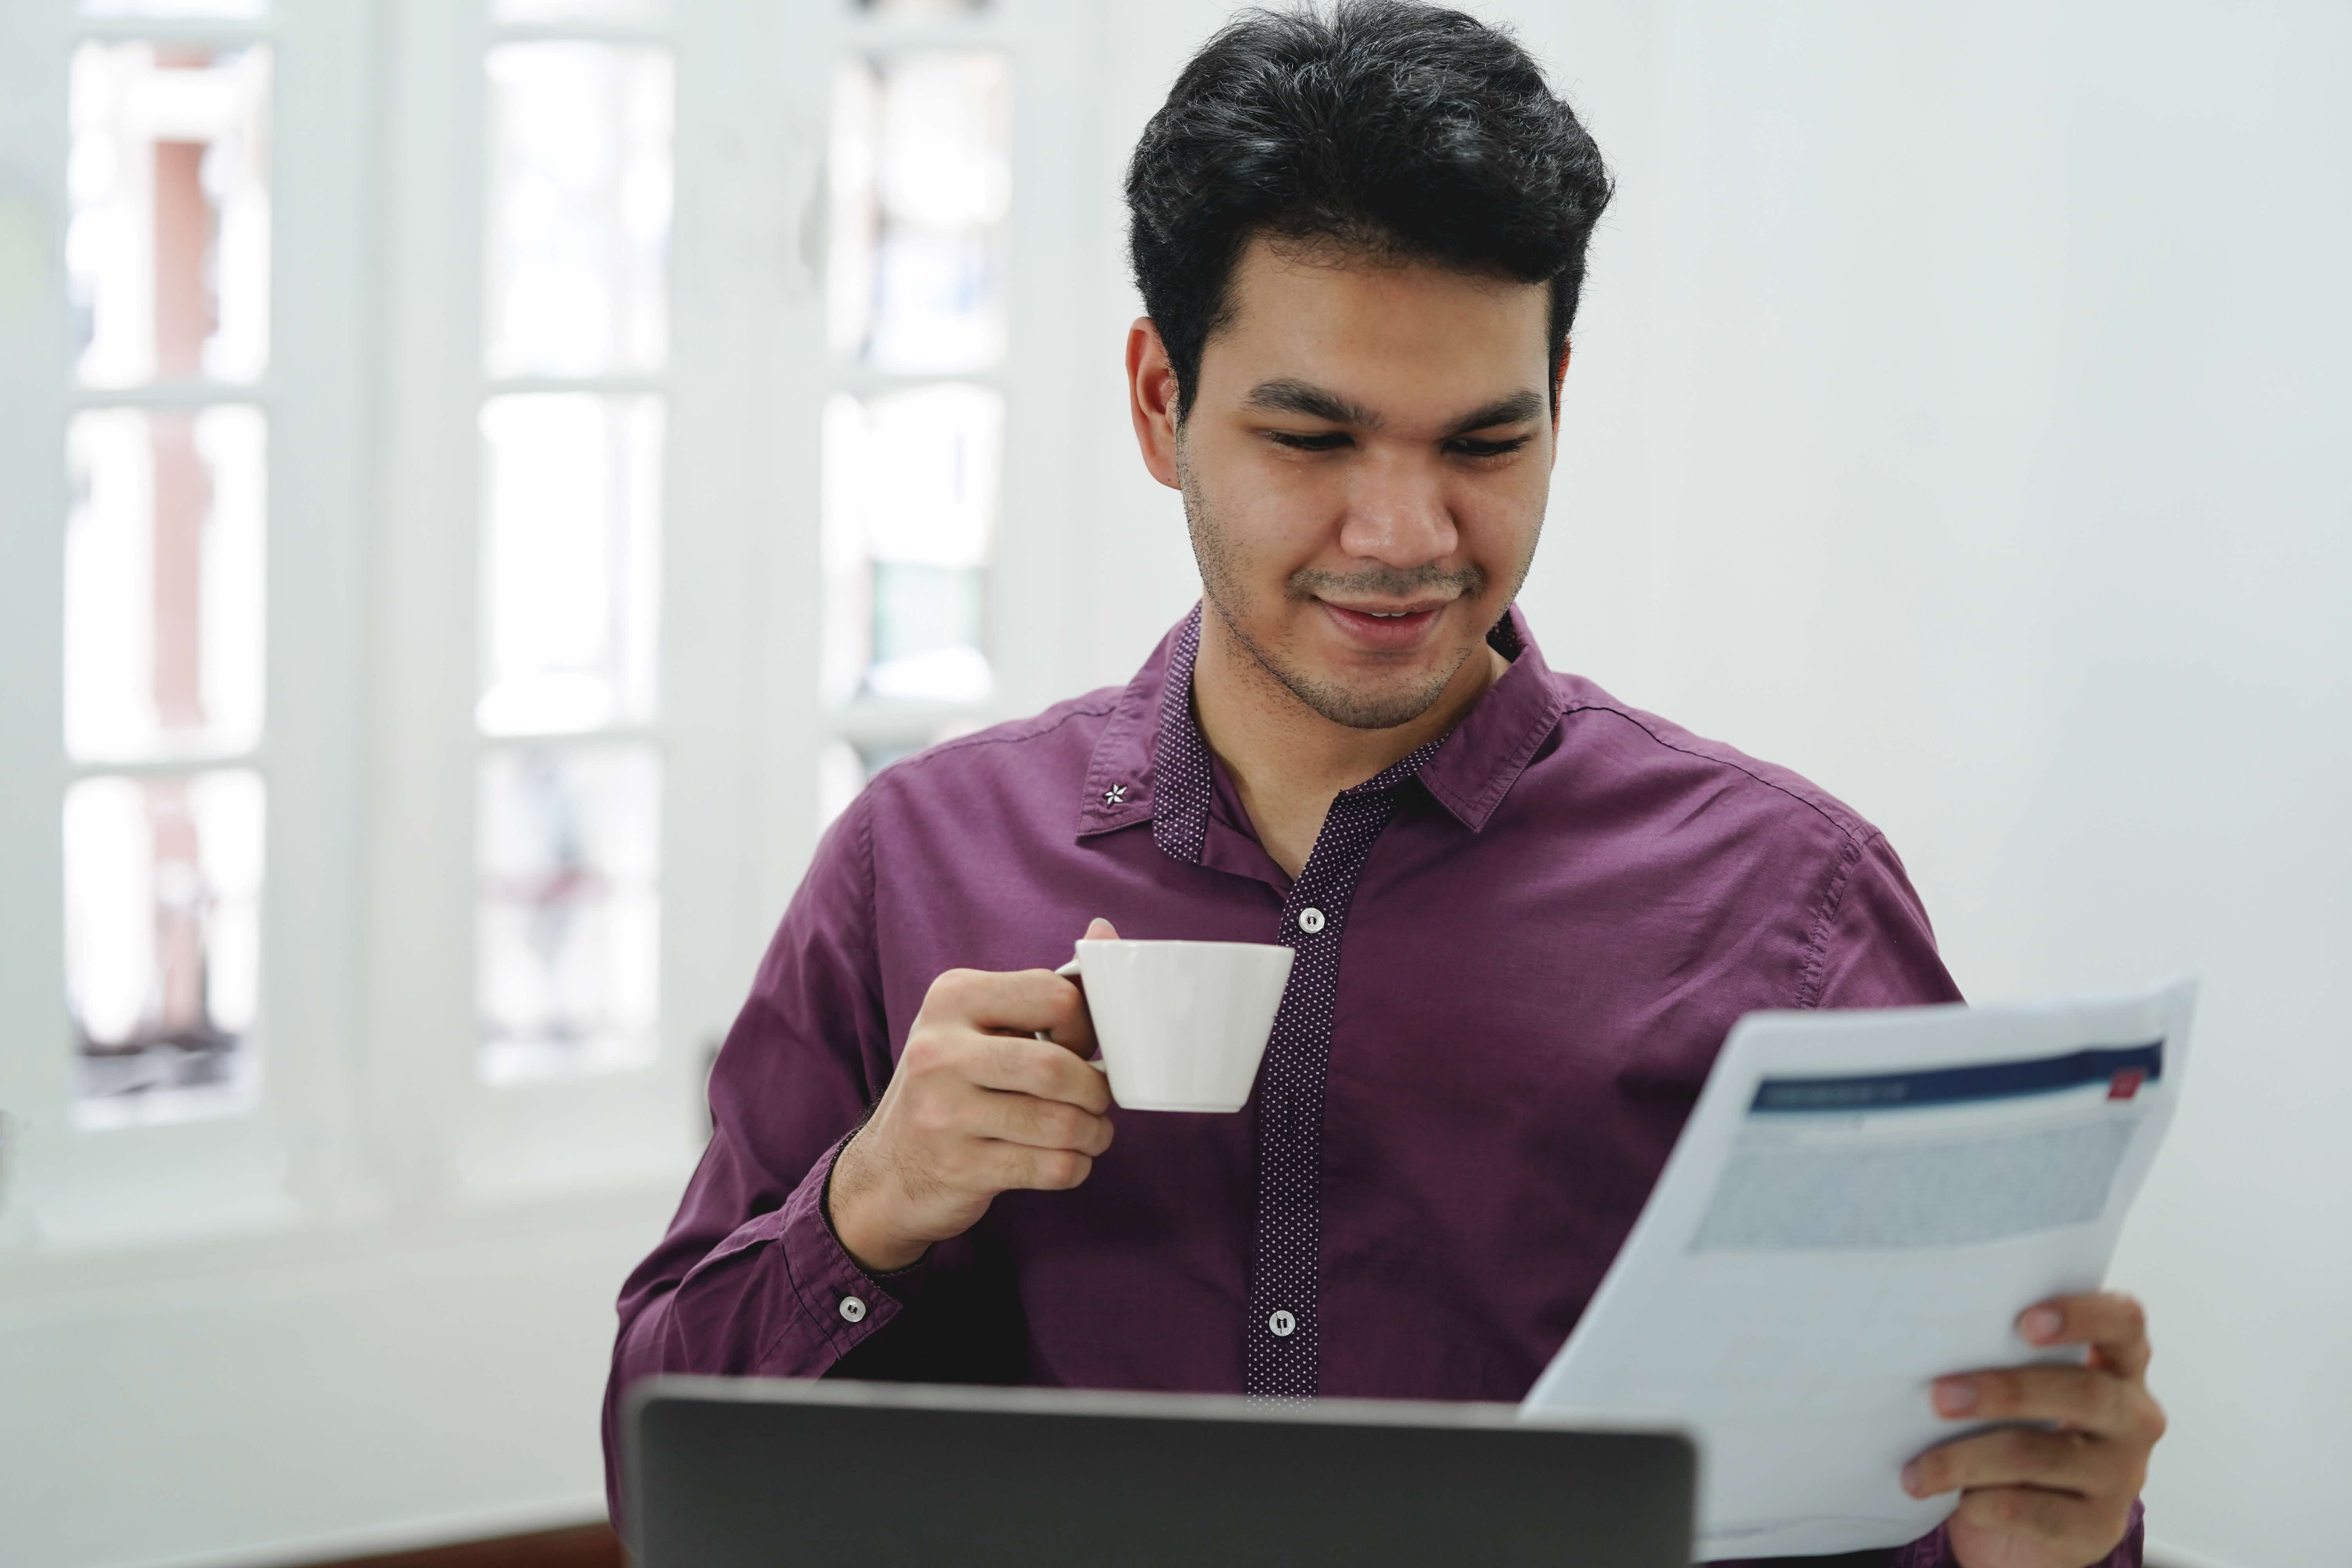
[[1397, 513]]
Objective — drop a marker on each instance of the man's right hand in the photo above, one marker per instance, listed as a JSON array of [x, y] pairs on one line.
[[978, 1106]]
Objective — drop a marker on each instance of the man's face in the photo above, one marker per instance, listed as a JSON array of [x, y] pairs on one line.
[[1364, 468]]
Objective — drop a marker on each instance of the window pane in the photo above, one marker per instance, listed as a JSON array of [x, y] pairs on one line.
[[927, 635], [570, 915], [579, 209], [556, 13], [920, 175], [162, 942], [163, 583], [911, 488], [168, 246], [226, 10], [572, 561]]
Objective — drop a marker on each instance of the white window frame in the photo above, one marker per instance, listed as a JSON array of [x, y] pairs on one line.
[[73, 1190], [372, 1105], [381, 1196]]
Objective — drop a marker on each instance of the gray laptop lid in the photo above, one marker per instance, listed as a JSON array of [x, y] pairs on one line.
[[730, 1473]]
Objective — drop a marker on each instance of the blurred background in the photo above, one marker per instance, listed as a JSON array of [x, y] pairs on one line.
[[483, 481]]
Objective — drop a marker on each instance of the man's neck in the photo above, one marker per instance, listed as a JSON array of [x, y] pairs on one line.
[[1287, 760]]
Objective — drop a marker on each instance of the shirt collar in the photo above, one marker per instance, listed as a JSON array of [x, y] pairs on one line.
[[1152, 761]]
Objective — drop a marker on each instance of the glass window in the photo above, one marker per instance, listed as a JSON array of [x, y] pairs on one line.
[[572, 561], [167, 249], [922, 10], [927, 635], [920, 175], [569, 910], [581, 12], [911, 489], [579, 189], [163, 878], [203, 10], [163, 583]]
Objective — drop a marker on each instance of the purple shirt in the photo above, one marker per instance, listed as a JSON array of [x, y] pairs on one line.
[[1519, 950]]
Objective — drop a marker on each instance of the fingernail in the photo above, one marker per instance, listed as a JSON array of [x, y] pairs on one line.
[[1955, 1395], [1911, 1478], [2042, 1323]]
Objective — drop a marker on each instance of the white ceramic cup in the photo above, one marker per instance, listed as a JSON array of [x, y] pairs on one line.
[[1182, 1025]]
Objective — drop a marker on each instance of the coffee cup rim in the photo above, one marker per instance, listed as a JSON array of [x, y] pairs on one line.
[[1071, 968], [1175, 942]]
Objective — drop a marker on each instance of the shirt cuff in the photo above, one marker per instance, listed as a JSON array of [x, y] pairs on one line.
[[821, 1292], [906, 1283], [1934, 1551]]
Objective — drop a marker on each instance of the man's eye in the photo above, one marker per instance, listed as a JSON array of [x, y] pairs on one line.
[[1464, 445], [1303, 441]]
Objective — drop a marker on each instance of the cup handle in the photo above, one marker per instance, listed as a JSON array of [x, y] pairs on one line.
[[1070, 971]]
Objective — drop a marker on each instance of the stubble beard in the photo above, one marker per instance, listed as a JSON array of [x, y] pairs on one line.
[[1374, 703]]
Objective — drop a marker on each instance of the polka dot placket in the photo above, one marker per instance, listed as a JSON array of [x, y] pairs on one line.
[[1283, 1360]]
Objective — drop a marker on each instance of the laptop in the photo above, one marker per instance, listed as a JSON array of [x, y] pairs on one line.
[[733, 1473]]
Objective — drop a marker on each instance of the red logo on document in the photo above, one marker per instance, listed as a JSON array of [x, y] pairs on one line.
[[2126, 1084]]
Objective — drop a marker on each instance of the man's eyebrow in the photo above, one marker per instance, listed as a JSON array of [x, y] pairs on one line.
[[1287, 396], [1511, 410]]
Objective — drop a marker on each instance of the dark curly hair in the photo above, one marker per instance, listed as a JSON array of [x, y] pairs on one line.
[[1406, 131]]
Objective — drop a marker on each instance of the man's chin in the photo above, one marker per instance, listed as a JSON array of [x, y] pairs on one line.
[[1334, 685], [1359, 704]]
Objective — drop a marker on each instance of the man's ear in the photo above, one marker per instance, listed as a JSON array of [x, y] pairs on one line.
[[1151, 399], [1559, 385]]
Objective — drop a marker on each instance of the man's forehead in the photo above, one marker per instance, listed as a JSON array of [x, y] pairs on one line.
[[1325, 316]]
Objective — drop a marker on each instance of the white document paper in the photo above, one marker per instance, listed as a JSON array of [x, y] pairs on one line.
[[1861, 1202]]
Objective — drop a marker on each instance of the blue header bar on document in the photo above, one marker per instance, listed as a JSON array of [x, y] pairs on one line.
[[2124, 1069]]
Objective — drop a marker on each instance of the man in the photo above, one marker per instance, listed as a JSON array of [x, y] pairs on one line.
[[1524, 915]]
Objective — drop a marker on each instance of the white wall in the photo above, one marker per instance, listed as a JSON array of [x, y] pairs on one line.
[[300, 1398], [1958, 416]]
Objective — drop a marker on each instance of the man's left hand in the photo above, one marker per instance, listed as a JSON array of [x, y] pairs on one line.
[[2057, 1494]]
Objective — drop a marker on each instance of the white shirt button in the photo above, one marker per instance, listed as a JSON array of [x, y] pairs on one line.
[[853, 1310], [1310, 921], [1282, 1324]]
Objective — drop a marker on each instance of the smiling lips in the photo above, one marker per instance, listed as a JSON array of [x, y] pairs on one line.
[[1385, 629]]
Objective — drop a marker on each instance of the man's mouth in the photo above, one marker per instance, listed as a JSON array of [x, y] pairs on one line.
[[1385, 628]]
